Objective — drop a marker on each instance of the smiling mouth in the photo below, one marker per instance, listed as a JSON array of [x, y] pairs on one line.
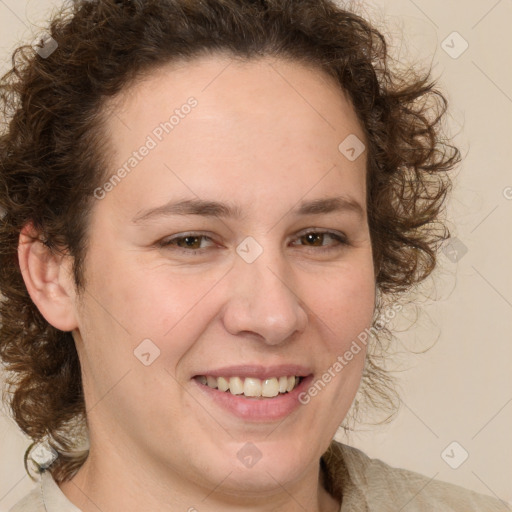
[[251, 387]]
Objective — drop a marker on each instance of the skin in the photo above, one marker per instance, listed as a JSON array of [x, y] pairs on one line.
[[264, 135]]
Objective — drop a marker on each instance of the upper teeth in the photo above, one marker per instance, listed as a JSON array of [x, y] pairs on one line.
[[251, 386]]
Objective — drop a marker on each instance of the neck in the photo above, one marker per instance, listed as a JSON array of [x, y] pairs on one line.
[[114, 482]]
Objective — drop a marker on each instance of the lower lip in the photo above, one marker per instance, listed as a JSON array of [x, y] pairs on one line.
[[266, 409]]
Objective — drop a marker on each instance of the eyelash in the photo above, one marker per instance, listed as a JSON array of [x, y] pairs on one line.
[[167, 243]]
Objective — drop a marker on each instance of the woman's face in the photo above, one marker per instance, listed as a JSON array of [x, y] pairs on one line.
[[257, 294]]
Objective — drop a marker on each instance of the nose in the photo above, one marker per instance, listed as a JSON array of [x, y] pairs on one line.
[[262, 300]]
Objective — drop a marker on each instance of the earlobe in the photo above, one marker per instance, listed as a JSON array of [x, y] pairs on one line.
[[48, 279]]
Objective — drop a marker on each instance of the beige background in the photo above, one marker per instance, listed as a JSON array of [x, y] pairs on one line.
[[460, 390]]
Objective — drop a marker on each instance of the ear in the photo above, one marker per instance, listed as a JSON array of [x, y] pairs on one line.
[[48, 278]]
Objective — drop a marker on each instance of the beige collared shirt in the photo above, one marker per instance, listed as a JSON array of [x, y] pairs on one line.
[[361, 484]]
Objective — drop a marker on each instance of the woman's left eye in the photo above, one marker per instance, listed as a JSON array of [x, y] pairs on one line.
[[315, 236], [191, 242]]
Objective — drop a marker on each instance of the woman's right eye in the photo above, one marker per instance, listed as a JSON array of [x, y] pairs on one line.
[[187, 242]]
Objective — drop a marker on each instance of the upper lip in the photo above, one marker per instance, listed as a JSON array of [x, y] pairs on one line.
[[258, 371]]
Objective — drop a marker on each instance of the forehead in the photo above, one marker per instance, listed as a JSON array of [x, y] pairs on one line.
[[276, 91], [266, 119]]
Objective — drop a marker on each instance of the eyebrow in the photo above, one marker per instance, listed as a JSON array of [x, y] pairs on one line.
[[217, 209]]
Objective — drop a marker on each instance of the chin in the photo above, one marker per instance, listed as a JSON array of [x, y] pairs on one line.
[[261, 478]]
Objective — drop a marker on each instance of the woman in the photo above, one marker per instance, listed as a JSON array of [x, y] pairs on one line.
[[207, 204]]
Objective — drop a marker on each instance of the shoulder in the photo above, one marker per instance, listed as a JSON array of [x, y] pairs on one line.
[[380, 484], [32, 502]]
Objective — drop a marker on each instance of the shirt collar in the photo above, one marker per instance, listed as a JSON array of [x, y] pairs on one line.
[[340, 465], [54, 499]]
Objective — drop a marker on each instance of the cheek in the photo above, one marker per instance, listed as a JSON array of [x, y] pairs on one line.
[[145, 300], [345, 303]]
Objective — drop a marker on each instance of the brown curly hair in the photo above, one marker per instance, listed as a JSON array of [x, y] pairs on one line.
[[53, 155]]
